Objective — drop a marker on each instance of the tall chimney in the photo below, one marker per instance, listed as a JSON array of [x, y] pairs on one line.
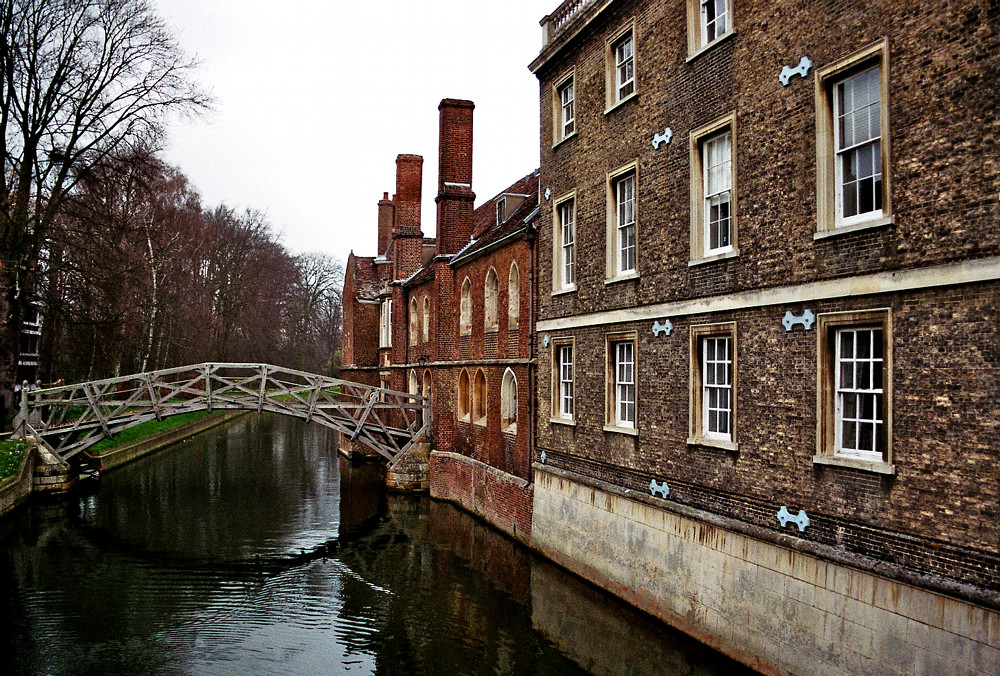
[[455, 198], [386, 208], [409, 176]]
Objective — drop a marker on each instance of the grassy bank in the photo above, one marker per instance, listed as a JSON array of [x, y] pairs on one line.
[[11, 453], [146, 429]]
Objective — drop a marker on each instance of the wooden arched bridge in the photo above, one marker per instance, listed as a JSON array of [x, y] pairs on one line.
[[71, 418]]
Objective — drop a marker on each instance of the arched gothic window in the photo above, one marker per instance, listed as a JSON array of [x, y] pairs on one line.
[[427, 319], [464, 398], [413, 321], [490, 304], [465, 309], [479, 398], [508, 402], [513, 296]]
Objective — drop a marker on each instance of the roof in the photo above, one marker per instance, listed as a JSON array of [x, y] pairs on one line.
[[486, 231], [366, 283]]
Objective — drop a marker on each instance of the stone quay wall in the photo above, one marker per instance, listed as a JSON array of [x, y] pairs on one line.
[[775, 608]]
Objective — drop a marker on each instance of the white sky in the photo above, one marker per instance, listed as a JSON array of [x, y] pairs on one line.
[[315, 98]]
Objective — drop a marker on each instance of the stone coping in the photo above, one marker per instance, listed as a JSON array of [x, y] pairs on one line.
[[15, 489]]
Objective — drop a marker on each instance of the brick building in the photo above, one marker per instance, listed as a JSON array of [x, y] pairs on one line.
[[769, 323], [452, 316]]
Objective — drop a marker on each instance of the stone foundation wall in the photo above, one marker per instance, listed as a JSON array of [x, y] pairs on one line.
[[16, 489], [777, 609], [502, 499]]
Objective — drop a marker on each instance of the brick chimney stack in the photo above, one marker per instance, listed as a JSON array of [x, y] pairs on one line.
[[409, 177], [455, 199], [386, 210]]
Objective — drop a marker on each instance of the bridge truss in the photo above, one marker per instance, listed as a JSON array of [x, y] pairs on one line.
[[72, 418]]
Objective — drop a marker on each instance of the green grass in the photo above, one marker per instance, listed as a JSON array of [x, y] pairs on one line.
[[148, 428], [11, 453]]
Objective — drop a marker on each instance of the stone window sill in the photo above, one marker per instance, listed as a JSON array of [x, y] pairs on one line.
[[873, 224], [714, 443], [563, 291], [855, 463], [631, 431], [622, 278], [716, 257], [570, 422]]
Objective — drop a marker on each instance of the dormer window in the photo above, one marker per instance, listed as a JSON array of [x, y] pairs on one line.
[[501, 210]]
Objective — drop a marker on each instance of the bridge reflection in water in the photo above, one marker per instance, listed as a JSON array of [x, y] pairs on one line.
[[255, 549]]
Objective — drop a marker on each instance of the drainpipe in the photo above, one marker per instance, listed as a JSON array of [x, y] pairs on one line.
[[531, 236]]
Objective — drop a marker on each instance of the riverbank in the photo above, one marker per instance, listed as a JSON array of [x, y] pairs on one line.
[[110, 456]]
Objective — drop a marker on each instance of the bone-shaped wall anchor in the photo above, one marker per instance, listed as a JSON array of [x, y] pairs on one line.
[[548, 194], [665, 137], [545, 340], [663, 490], [543, 457], [800, 520], [666, 327], [802, 69], [806, 320]]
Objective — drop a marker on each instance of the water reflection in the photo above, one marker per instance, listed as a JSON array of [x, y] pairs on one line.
[[256, 549]]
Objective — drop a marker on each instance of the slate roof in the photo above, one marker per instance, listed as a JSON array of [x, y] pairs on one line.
[[487, 231]]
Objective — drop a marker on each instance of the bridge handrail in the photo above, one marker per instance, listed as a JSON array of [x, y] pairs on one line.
[[83, 413]]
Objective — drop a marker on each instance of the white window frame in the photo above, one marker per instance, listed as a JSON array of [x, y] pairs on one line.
[[563, 381], [501, 204], [567, 108], [623, 223], [624, 50], [704, 193], [710, 17], [625, 399], [620, 56], [565, 244], [622, 411], [834, 413], [717, 175], [717, 387], [857, 377], [871, 145], [830, 218], [713, 375]]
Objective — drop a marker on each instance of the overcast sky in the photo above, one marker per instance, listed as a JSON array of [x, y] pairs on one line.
[[315, 98]]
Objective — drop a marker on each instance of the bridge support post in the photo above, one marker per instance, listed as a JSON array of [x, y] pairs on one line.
[[411, 471], [22, 427]]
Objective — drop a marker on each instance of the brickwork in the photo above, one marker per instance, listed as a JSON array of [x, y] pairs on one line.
[[499, 498], [431, 362], [930, 507]]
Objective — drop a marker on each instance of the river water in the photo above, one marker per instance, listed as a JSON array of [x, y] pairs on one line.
[[256, 549]]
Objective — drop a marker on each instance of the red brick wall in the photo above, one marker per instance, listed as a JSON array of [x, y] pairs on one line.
[[503, 500]]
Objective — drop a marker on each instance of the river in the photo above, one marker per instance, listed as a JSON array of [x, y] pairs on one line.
[[256, 549]]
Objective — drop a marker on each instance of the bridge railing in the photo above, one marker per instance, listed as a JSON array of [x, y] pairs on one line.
[[74, 417]]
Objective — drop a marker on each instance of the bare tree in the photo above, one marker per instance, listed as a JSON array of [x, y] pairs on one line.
[[80, 80]]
